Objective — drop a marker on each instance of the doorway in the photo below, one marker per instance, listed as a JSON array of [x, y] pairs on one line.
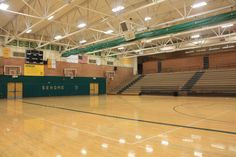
[[140, 69], [94, 88], [14, 90], [206, 62]]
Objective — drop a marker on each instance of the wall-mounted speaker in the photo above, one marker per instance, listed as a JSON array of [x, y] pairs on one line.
[[124, 26]]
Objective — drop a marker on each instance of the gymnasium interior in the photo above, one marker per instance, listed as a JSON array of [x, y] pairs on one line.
[[117, 78]]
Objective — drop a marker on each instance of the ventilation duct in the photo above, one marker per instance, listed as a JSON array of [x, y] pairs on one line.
[[213, 20]]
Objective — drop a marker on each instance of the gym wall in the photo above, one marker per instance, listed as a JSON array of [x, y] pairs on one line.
[[216, 61], [52, 85], [222, 60], [182, 64], [150, 67], [85, 72]]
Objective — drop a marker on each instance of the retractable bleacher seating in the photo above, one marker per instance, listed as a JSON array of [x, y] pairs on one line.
[[160, 82], [217, 81], [125, 85]]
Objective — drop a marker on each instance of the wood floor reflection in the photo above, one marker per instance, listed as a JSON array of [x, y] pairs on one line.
[[118, 126]]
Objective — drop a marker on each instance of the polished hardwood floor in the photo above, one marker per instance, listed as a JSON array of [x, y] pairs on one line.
[[118, 126]]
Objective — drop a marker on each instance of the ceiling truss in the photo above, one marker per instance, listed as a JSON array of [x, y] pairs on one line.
[[33, 15]]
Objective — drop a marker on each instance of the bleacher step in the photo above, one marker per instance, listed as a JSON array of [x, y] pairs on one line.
[[130, 84]]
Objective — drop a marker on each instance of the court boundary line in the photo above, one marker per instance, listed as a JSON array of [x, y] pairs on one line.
[[175, 129], [107, 137], [175, 109], [133, 119]]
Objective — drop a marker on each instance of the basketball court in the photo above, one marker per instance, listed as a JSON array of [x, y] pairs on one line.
[[105, 78], [118, 126]]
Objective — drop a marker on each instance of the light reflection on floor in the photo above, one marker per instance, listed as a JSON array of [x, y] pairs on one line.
[[110, 126]]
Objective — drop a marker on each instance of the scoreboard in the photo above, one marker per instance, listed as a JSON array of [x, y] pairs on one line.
[[34, 57]]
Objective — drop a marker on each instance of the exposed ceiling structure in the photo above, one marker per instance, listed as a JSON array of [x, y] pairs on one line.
[[76, 24]]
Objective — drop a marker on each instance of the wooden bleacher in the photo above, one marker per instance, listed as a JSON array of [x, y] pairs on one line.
[[160, 82], [217, 81], [123, 85]]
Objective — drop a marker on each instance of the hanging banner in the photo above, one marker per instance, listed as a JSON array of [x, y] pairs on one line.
[[72, 59], [6, 52], [33, 70]]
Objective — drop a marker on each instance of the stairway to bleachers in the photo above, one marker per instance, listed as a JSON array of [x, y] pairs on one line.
[[160, 82], [189, 85], [217, 81], [124, 85]]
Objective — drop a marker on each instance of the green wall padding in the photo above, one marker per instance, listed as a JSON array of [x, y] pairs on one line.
[[52, 85]]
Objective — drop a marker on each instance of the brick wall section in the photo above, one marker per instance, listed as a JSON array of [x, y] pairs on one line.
[[122, 74], [222, 60], [59, 71], [182, 64], [150, 67], [84, 70], [16, 62], [92, 70]]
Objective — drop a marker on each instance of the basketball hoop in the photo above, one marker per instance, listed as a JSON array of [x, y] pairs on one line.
[[70, 72], [12, 70]]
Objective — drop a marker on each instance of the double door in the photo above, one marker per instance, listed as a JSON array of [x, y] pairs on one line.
[[94, 89], [14, 90]]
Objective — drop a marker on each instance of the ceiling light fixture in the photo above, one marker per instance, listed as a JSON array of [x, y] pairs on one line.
[[167, 48], [131, 154], [104, 145], [83, 41], [149, 149], [137, 51], [121, 48], [164, 142], [4, 6], [214, 48], [228, 46], [28, 31], [138, 137], [82, 25], [51, 17], [147, 41], [195, 36], [122, 141], [118, 8], [147, 18], [198, 42], [157, 1], [227, 25], [198, 5], [109, 32], [197, 154], [58, 37]]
